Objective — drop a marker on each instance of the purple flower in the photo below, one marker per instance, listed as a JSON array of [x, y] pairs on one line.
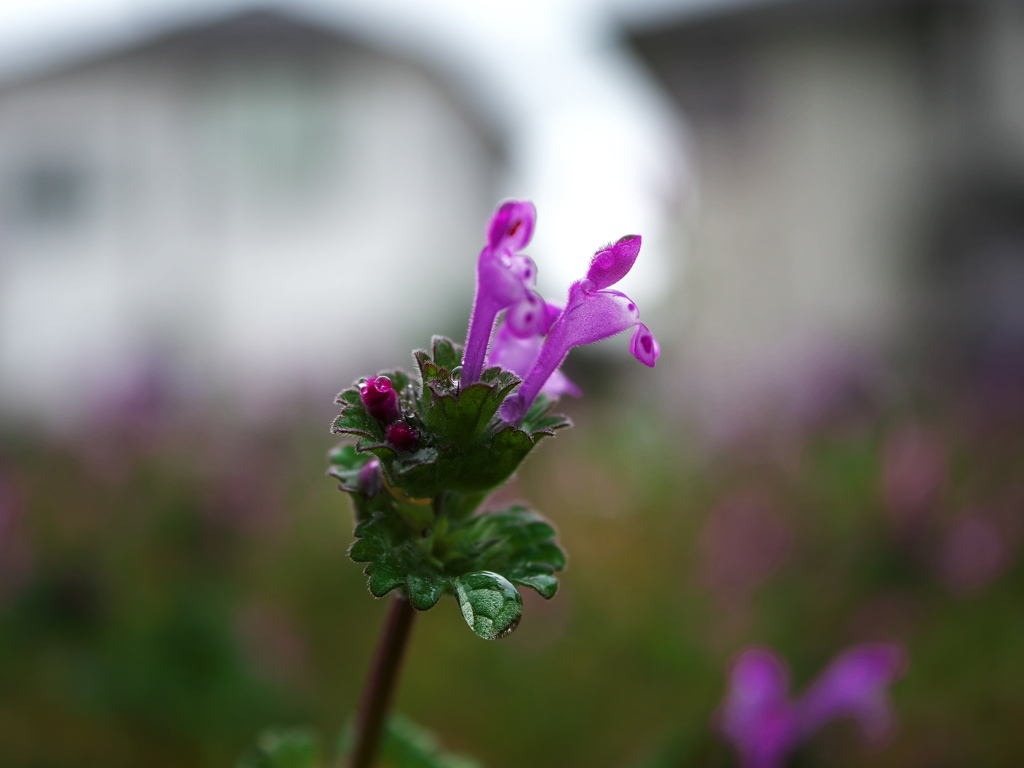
[[765, 726], [380, 399], [591, 314], [504, 281], [517, 354]]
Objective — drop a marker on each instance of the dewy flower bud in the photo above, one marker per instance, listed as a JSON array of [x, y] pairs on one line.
[[380, 399], [402, 437]]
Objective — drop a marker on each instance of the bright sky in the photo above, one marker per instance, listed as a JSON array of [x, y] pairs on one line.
[[593, 143]]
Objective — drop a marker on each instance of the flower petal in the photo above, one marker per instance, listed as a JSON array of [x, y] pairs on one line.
[[528, 317], [590, 317], [611, 264], [757, 716], [644, 346], [855, 685], [511, 227]]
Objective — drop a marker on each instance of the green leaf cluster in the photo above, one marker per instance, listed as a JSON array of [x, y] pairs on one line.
[[405, 744], [447, 547], [418, 523], [464, 445]]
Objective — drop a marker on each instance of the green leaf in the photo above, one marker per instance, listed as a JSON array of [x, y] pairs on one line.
[[424, 533], [544, 584], [408, 745], [489, 467], [447, 354], [346, 464], [382, 578], [284, 748], [463, 420], [425, 589], [537, 419], [519, 544], [354, 419], [490, 603]]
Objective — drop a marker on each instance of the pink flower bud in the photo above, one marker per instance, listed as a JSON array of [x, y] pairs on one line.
[[380, 399], [402, 437]]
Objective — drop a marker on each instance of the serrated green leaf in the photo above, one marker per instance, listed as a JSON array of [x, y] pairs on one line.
[[504, 378], [346, 464], [490, 467], [428, 372], [519, 544], [463, 420], [382, 578], [490, 603], [549, 424], [284, 748], [354, 419], [545, 584], [447, 354], [537, 418], [424, 590], [349, 396]]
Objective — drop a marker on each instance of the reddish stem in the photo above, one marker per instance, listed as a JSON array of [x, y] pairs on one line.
[[380, 685]]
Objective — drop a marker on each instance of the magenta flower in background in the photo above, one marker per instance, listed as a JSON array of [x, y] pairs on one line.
[[592, 313], [504, 281], [974, 552], [765, 726], [915, 468]]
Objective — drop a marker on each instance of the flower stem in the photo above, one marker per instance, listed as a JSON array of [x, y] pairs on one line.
[[380, 685]]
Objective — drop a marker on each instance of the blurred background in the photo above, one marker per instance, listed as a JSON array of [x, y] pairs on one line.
[[215, 216]]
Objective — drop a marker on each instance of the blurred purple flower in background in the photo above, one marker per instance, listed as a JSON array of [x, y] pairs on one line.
[[743, 543], [974, 553], [914, 471], [766, 727]]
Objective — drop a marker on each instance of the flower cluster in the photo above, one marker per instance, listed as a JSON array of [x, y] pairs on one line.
[[430, 446], [765, 726], [535, 336]]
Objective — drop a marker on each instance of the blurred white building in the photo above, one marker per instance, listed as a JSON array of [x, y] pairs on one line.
[[861, 170], [253, 204]]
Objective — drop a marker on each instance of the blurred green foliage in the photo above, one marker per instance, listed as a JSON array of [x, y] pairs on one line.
[[169, 590]]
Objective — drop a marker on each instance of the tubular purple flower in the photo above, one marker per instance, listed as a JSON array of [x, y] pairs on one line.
[[590, 315], [517, 354], [504, 281]]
